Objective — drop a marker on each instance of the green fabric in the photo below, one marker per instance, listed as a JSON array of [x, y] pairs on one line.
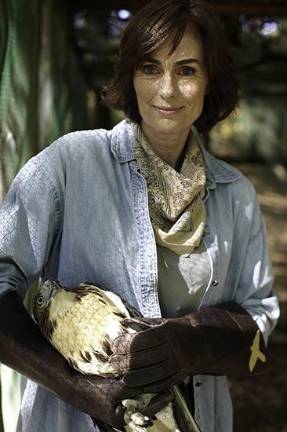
[[18, 84], [42, 94]]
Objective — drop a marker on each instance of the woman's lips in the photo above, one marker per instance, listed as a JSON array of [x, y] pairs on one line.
[[167, 110]]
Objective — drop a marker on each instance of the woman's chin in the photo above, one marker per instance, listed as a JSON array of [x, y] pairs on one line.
[[167, 126]]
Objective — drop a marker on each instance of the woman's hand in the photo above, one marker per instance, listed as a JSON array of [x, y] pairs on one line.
[[102, 398], [99, 397], [214, 340]]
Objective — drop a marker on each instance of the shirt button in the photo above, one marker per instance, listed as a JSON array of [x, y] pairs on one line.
[[214, 282]]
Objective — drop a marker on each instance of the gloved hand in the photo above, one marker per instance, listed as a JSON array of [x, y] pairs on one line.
[[218, 340], [157, 402], [101, 398]]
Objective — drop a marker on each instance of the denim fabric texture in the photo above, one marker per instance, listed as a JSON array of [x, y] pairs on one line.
[[78, 211]]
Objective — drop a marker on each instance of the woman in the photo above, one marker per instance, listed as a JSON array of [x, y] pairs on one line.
[[145, 211]]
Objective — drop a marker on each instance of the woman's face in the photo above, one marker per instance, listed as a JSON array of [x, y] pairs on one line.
[[170, 88]]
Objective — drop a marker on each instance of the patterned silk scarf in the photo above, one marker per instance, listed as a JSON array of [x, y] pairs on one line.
[[175, 199]]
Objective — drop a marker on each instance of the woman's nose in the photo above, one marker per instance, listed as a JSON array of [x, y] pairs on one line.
[[167, 86]]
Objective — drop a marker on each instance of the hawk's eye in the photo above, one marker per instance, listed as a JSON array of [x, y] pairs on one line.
[[40, 300]]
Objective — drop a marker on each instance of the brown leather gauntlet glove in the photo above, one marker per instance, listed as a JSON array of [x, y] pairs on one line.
[[217, 340]]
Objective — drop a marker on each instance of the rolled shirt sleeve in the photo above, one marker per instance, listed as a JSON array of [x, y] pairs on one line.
[[255, 284]]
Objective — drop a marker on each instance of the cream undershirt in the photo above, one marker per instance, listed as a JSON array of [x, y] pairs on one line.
[[182, 280]]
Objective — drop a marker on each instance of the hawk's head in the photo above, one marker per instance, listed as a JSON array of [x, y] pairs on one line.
[[41, 305]]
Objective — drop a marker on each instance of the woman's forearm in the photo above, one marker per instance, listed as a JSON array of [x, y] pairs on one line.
[[23, 348]]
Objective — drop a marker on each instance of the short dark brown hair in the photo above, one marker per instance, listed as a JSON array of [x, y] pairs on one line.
[[148, 30]]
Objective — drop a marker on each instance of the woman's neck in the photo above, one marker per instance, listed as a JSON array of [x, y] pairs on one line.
[[169, 147]]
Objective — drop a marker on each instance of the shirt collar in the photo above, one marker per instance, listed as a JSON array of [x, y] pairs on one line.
[[217, 171], [122, 141]]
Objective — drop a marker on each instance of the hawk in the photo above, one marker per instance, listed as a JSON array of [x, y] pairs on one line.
[[81, 323]]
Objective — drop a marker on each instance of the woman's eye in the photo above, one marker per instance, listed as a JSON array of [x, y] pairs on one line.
[[187, 71], [149, 69]]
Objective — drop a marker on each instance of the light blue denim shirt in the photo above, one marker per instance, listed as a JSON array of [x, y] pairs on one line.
[[78, 212]]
